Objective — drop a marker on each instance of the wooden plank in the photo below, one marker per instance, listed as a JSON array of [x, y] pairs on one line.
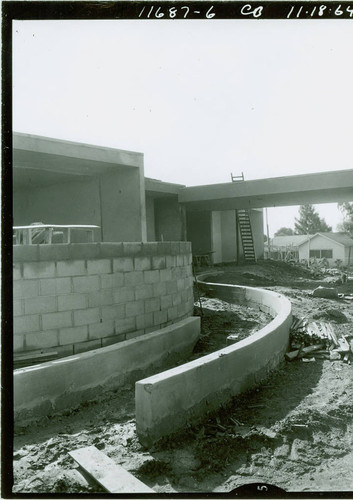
[[113, 477]]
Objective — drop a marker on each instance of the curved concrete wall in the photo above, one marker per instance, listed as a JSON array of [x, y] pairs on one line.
[[166, 402], [50, 387], [77, 297]]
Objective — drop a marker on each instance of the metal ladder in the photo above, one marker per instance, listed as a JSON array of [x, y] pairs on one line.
[[244, 225]]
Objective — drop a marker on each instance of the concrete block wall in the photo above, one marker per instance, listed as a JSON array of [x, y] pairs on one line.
[[53, 386], [169, 401], [78, 297]]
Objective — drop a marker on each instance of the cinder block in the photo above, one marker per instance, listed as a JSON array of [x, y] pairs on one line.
[[123, 264], [86, 316], [23, 289], [150, 248], [166, 301], [188, 247], [181, 310], [142, 263], [152, 305], [132, 248], [171, 287], [151, 276], [38, 270], [181, 284], [18, 307], [51, 321], [54, 286], [64, 350], [144, 292], [158, 262], [86, 284], [172, 313], [73, 335], [25, 324], [53, 252], [90, 345], [176, 273], [70, 268], [165, 274], [25, 253], [100, 298], [152, 329], [188, 282], [18, 344], [72, 301], [159, 289], [134, 308], [113, 340], [110, 250], [137, 333], [125, 325], [184, 246], [99, 266], [175, 248], [160, 317], [123, 295], [17, 271], [82, 251], [176, 299], [115, 280], [99, 330], [183, 272], [144, 321], [134, 278], [164, 248], [113, 312], [41, 340], [170, 261], [188, 270], [180, 260], [39, 305]]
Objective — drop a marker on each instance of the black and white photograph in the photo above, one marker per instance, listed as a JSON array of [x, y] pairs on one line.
[[179, 184]]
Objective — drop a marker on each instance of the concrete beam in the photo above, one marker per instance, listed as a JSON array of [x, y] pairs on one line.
[[324, 187], [168, 401]]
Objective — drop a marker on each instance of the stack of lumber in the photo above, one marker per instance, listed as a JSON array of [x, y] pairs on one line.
[[314, 340]]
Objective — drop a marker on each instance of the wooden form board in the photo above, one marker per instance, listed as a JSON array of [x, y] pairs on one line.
[[113, 477]]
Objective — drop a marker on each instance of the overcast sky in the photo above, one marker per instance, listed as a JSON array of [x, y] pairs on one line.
[[200, 99]]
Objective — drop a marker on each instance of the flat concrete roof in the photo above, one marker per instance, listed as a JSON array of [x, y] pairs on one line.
[[42, 160], [323, 187]]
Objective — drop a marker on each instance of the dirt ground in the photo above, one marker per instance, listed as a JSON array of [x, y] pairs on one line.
[[295, 431]]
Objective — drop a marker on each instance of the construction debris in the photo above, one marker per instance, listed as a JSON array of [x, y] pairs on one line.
[[113, 477], [317, 340]]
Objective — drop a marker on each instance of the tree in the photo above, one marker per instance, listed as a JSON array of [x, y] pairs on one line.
[[347, 224], [309, 221], [284, 231]]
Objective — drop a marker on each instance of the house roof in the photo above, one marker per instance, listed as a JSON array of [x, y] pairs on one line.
[[340, 238], [286, 241]]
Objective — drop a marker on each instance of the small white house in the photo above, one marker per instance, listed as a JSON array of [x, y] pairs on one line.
[[330, 246]]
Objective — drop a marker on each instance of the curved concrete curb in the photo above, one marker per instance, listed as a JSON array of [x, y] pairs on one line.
[[57, 385], [166, 402]]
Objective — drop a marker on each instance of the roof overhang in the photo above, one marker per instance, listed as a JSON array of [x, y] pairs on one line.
[[323, 187], [41, 160]]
